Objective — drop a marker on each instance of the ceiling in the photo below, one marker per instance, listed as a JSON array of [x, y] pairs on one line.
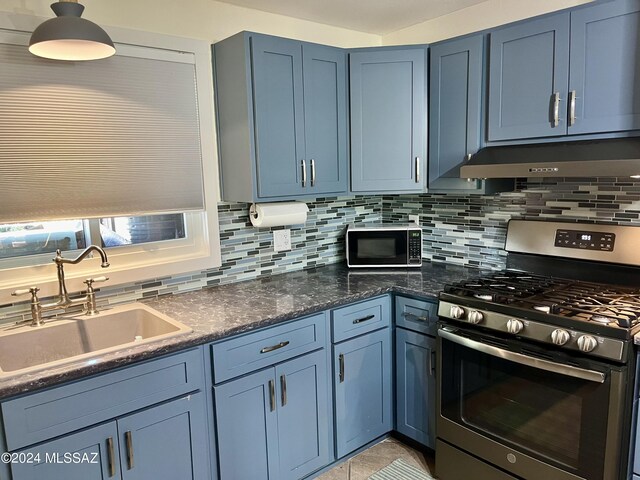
[[371, 16]]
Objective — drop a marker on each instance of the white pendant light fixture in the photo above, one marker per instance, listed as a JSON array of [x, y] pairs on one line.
[[69, 37]]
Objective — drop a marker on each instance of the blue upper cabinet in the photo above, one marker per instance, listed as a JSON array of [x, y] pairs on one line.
[[279, 115], [455, 114], [605, 68], [325, 118], [388, 120], [282, 118], [528, 79]]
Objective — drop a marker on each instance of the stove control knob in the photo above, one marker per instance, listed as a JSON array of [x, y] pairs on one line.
[[560, 336], [515, 326], [475, 317], [587, 343], [456, 312]]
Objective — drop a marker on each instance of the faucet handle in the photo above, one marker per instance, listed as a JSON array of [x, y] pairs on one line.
[[32, 290], [90, 281]]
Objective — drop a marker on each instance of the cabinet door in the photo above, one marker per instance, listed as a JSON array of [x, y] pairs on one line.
[[304, 415], [388, 120], [605, 68], [363, 396], [529, 66], [455, 116], [92, 455], [167, 441], [279, 115], [415, 386], [325, 118], [247, 427]]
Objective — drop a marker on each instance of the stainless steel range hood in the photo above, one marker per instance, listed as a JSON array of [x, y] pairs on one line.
[[616, 157]]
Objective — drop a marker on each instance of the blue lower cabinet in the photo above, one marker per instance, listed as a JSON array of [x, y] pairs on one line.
[[276, 423], [305, 436], [91, 454], [247, 426], [363, 390], [166, 441], [416, 386]]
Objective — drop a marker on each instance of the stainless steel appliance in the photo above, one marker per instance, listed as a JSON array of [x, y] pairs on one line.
[[378, 245], [536, 364]]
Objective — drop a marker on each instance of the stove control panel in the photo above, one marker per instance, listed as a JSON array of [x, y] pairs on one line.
[[584, 240]]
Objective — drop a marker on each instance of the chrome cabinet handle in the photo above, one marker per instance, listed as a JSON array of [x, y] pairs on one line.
[[341, 360], [283, 387], [415, 317], [313, 172], [272, 395], [274, 347], [432, 363], [467, 157], [304, 173], [417, 169], [572, 108], [556, 109], [111, 454], [129, 441], [363, 319]]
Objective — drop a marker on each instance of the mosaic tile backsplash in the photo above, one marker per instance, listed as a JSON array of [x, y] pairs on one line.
[[471, 230], [458, 228]]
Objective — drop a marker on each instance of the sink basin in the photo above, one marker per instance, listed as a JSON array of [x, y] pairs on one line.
[[72, 338]]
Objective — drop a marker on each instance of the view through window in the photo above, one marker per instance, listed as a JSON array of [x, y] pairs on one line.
[[27, 239]]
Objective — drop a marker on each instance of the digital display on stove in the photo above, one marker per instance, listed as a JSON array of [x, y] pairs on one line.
[[601, 241]]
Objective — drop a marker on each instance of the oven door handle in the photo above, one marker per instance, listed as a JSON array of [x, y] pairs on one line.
[[539, 363]]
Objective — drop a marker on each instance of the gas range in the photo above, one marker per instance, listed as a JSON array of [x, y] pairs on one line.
[[592, 318], [536, 367]]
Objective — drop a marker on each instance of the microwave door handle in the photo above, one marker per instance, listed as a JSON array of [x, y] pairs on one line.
[[539, 363]]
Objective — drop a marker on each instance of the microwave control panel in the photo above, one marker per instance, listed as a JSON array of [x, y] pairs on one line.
[[415, 246], [583, 240]]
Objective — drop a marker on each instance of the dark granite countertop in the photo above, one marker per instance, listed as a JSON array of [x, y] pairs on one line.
[[218, 312]]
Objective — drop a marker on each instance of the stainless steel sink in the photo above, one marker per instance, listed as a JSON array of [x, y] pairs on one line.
[[72, 338]]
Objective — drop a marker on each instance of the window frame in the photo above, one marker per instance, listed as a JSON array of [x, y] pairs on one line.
[[199, 251]]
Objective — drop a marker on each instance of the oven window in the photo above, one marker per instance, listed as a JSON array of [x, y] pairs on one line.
[[558, 419]]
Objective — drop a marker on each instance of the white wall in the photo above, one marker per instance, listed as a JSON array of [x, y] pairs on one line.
[[202, 19], [478, 17]]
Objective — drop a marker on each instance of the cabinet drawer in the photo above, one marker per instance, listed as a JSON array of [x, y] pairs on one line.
[[60, 410], [257, 350], [361, 318], [418, 315]]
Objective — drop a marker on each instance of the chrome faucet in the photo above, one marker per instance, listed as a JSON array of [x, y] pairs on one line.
[[64, 302]]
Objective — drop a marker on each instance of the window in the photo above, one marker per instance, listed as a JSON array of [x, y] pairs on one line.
[[140, 246]]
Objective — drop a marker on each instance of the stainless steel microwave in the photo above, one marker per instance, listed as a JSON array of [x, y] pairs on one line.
[[378, 245]]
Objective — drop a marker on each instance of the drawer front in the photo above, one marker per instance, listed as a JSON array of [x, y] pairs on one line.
[[417, 315], [60, 410], [354, 320], [254, 351]]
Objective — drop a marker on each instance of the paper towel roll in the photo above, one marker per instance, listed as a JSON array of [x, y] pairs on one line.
[[278, 214]]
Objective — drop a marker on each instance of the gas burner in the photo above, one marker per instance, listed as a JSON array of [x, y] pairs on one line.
[[543, 308], [602, 319]]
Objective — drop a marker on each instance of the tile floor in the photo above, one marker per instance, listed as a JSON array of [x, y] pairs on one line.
[[365, 464]]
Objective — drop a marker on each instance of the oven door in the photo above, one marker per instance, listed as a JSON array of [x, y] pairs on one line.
[[377, 248], [530, 412]]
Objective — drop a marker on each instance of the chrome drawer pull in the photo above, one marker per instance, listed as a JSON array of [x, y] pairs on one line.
[[303, 164], [129, 441], [556, 109], [415, 317], [417, 169], [274, 347], [313, 172], [341, 360], [572, 108], [363, 319]]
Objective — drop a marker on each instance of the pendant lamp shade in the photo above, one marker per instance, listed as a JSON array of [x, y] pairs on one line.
[[70, 37]]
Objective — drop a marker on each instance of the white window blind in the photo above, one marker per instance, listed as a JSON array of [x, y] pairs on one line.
[[112, 137]]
